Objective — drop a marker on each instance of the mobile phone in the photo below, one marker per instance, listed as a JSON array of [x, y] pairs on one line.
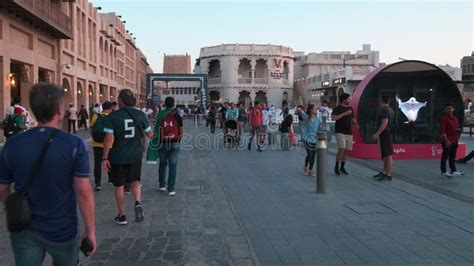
[[86, 246]]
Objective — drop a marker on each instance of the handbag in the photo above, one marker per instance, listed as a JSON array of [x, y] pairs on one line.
[[17, 206]]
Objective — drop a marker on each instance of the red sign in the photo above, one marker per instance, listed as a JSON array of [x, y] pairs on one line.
[[404, 151]]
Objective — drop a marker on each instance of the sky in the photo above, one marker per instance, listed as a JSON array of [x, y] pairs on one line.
[[440, 32]]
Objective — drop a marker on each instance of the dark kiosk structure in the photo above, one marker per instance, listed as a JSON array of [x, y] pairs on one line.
[[419, 91]]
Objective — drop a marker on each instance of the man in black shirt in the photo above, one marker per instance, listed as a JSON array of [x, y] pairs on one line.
[[122, 156], [344, 117], [384, 136]]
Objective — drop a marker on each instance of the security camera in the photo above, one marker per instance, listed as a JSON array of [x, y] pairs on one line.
[[68, 66]]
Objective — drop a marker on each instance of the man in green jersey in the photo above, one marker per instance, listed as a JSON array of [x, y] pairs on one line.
[[123, 152]]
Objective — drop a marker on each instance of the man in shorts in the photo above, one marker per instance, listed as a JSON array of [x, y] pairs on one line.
[[384, 136], [344, 117], [123, 152], [256, 128]]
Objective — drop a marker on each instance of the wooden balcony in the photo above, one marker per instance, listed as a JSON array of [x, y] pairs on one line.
[[46, 15]]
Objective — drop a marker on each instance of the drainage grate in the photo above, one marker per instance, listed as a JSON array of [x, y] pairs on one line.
[[369, 208]]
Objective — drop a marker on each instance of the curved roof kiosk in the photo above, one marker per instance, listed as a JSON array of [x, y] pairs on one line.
[[416, 132]]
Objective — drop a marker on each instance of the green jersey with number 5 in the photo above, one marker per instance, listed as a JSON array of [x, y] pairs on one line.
[[127, 127]]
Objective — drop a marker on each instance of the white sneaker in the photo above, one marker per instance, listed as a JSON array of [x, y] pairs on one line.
[[446, 174], [172, 193], [457, 173], [162, 189]]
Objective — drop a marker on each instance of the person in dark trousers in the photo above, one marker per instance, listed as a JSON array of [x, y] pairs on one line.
[[256, 127], [450, 133], [344, 117], [222, 112], [466, 159], [60, 188], [83, 116], [384, 136], [212, 117], [170, 127], [285, 128], [123, 152], [97, 124], [241, 120], [311, 122], [71, 114]]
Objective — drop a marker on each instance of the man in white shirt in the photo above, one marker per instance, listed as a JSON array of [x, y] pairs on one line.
[[266, 117], [325, 113], [72, 117]]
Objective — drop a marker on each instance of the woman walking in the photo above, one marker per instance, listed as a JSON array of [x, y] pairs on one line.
[[311, 123]]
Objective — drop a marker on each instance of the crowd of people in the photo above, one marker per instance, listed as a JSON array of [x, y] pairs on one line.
[[121, 135]]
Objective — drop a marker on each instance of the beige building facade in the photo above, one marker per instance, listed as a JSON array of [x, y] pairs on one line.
[[247, 72], [91, 55], [324, 76]]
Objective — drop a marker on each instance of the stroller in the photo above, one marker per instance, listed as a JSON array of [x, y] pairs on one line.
[[230, 134]]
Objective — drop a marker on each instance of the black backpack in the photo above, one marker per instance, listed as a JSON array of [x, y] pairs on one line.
[[10, 128], [98, 134]]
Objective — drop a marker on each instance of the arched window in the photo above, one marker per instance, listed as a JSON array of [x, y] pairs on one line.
[[214, 69], [245, 71]]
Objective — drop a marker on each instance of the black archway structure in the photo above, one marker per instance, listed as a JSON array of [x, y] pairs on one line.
[[201, 78]]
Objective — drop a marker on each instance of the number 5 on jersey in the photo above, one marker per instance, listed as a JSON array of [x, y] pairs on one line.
[[129, 128]]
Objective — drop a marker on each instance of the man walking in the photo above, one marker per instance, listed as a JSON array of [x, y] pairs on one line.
[[255, 124], [98, 136], [212, 117], [83, 116], [344, 117], [384, 136], [169, 128], [72, 117], [450, 133], [59, 186], [123, 152]]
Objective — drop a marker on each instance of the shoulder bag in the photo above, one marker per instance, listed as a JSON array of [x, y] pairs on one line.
[[17, 205]]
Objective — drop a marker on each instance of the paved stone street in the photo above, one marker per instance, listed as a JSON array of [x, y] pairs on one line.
[[239, 207]]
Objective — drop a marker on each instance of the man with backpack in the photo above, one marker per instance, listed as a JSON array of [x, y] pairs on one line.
[[98, 136], [165, 145], [123, 152], [13, 124]]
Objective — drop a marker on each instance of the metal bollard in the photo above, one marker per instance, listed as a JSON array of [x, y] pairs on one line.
[[322, 162]]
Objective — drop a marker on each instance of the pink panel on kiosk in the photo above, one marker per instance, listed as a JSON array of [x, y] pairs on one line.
[[403, 151]]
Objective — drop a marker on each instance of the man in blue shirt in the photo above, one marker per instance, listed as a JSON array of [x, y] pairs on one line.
[[61, 185]]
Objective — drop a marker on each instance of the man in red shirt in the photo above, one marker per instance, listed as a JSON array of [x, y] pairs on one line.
[[255, 124], [450, 133]]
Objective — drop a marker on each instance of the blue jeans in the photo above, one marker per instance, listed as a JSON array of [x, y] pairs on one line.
[[168, 158], [30, 251]]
